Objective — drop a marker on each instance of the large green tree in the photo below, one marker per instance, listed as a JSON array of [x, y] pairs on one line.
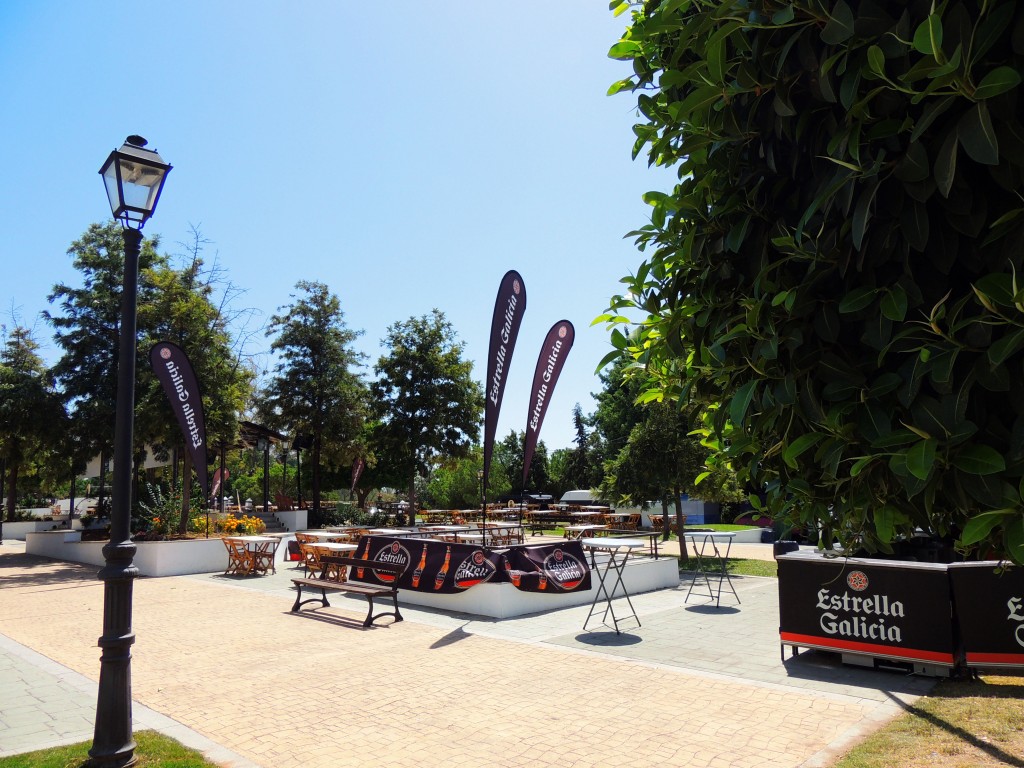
[[31, 414], [317, 389], [582, 468], [190, 305], [87, 326], [838, 264], [427, 401], [508, 460], [660, 461]]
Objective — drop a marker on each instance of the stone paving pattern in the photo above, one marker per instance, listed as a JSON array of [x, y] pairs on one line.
[[227, 666]]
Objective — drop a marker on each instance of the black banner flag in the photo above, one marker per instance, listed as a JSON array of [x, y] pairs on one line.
[[357, 471], [508, 315], [553, 352], [172, 367]]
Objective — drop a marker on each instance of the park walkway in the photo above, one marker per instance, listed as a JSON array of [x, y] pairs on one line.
[[221, 661]]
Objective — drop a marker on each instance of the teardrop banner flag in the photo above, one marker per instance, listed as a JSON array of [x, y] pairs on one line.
[[553, 352], [172, 367], [508, 315], [357, 470]]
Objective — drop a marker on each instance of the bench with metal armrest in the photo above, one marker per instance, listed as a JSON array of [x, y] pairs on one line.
[[333, 578]]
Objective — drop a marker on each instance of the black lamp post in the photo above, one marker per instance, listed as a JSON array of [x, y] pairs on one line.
[[134, 177]]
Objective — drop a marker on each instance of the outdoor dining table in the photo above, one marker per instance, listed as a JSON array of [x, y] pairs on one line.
[[396, 532], [323, 534], [445, 532], [588, 515], [700, 541], [579, 530], [618, 551], [334, 547], [503, 532], [248, 555]]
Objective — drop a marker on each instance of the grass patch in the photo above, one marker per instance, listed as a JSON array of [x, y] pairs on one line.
[[736, 566], [962, 724], [154, 750]]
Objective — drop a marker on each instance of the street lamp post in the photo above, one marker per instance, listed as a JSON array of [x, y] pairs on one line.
[[133, 176]]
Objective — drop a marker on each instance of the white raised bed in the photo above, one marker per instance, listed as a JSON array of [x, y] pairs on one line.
[[152, 558]]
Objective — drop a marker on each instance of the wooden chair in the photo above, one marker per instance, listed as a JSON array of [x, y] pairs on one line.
[[263, 557], [632, 523], [239, 558], [310, 558], [284, 503]]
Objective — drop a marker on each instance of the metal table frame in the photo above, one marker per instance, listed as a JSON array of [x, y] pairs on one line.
[[701, 554], [618, 553]]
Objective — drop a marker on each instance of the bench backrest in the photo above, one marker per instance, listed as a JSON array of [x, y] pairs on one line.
[[358, 562]]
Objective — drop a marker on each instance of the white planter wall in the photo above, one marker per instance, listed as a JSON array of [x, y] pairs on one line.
[[152, 558]]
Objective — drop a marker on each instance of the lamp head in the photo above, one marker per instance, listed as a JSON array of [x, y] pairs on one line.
[[134, 177]]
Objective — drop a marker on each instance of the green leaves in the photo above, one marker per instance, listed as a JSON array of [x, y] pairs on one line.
[[837, 272], [839, 27], [928, 36], [798, 446], [979, 526], [977, 136], [999, 80], [624, 50], [979, 460]]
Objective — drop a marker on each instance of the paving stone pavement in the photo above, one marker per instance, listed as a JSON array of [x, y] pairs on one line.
[[221, 662]]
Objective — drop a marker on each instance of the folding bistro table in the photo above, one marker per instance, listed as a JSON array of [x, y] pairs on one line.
[[618, 553], [700, 541]]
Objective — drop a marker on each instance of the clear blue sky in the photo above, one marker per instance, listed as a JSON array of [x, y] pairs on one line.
[[406, 154]]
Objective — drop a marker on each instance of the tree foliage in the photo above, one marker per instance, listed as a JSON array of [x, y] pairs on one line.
[[316, 389], [87, 328], [425, 396], [31, 414], [838, 263], [582, 468], [190, 306]]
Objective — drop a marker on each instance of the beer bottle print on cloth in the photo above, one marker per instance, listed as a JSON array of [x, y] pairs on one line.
[[419, 568], [439, 579], [514, 576], [366, 556]]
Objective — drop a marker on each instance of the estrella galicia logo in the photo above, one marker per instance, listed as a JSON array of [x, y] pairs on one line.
[[564, 570], [857, 581], [394, 554], [474, 569]]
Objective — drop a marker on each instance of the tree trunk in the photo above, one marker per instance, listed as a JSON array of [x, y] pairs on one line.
[[316, 474], [136, 469], [12, 487], [186, 492], [411, 517], [101, 499], [680, 522], [361, 494], [666, 528]]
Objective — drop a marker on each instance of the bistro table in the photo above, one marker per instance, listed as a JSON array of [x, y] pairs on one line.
[[617, 551], [323, 534], [445, 532], [332, 548], [394, 532], [700, 541], [248, 555], [581, 530]]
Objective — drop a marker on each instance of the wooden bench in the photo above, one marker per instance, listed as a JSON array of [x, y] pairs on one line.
[[333, 579]]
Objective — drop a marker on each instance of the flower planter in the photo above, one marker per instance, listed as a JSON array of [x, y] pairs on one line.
[[152, 558]]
